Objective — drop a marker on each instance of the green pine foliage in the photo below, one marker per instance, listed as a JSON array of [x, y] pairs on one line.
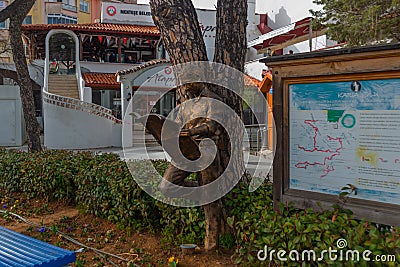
[[359, 22]]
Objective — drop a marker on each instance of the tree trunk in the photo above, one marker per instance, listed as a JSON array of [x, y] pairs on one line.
[[24, 81], [230, 50], [180, 32], [183, 40]]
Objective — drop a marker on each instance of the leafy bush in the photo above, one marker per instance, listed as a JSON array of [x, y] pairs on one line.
[[102, 185], [182, 225], [44, 174], [99, 184], [257, 225]]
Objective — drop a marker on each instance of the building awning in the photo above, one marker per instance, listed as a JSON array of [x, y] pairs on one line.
[[101, 28], [288, 35], [101, 81], [108, 81]]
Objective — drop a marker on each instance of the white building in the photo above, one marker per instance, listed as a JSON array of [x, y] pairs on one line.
[[280, 19], [71, 117]]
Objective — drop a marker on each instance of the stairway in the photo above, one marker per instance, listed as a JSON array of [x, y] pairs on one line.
[[63, 85], [138, 141]]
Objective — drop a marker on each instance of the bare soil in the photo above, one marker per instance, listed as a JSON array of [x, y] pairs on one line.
[[139, 247]]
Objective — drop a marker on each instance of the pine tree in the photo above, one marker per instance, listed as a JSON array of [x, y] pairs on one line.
[[359, 22], [182, 37]]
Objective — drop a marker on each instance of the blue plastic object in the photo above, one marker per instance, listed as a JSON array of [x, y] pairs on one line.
[[18, 250]]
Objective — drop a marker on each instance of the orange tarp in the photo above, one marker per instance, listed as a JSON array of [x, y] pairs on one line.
[[265, 88]]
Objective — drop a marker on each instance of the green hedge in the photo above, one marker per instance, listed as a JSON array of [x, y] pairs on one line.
[[256, 225], [102, 185]]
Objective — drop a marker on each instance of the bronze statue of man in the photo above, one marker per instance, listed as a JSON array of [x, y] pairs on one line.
[[195, 118]]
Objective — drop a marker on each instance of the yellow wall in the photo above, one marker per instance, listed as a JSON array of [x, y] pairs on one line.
[[84, 17], [38, 13]]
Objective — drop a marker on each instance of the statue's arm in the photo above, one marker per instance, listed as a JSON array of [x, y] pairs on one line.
[[209, 128]]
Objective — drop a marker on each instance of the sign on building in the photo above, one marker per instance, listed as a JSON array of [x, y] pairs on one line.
[[141, 15], [126, 14], [207, 21], [159, 77]]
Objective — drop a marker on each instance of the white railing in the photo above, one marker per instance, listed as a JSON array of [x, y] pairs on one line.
[[72, 103], [67, 102], [69, 7], [81, 81], [255, 136], [46, 75]]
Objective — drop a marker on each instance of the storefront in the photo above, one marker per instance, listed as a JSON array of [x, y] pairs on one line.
[[105, 91], [100, 42], [118, 13]]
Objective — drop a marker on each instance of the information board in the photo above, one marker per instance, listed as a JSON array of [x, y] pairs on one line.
[[337, 118], [346, 133]]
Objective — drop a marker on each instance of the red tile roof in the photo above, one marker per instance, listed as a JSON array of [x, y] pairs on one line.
[[142, 66], [96, 28], [101, 81], [248, 80], [251, 81]]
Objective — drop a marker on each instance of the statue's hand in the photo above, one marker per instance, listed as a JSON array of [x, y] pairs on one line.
[[199, 130], [184, 132], [209, 128]]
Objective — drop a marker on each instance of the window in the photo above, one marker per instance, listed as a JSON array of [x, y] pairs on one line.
[[84, 6], [68, 2], [61, 19], [3, 5], [27, 20]]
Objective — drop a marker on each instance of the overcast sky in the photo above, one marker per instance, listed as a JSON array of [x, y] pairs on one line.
[[261, 5]]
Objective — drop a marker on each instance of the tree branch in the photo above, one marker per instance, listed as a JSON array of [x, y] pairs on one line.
[[9, 11], [179, 18]]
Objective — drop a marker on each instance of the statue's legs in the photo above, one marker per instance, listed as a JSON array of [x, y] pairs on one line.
[[212, 211]]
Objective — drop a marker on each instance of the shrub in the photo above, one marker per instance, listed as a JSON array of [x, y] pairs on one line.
[[103, 186], [182, 225], [44, 174], [257, 225]]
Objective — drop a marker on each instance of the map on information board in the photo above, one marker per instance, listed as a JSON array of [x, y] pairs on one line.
[[346, 133]]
